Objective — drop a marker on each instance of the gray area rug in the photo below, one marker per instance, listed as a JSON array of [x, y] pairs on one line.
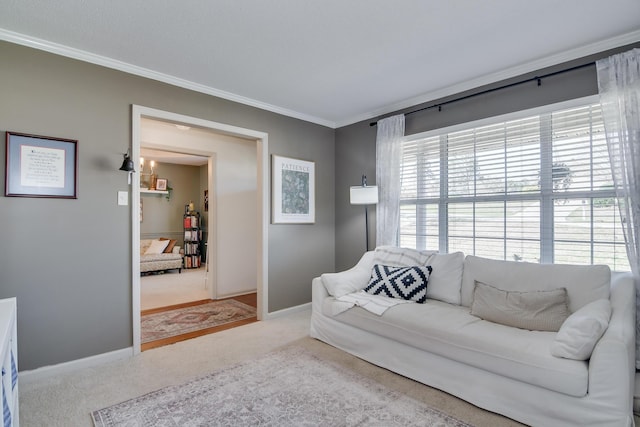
[[291, 387]]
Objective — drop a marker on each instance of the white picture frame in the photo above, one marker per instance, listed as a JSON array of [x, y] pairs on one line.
[[161, 184], [292, 190]]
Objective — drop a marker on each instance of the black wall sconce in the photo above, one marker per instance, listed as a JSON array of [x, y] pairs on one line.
[[127, 164]]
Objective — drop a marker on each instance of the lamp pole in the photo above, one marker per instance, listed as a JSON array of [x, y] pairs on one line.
[[366, 224], [364, 195]]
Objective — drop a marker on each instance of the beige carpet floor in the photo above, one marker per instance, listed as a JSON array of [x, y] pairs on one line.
[[170, 288], [68, 400]]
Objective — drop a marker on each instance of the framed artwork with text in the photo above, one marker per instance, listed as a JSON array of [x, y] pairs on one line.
[[41, 166]]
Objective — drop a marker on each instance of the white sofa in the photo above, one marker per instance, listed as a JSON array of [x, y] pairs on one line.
[[499, 368]]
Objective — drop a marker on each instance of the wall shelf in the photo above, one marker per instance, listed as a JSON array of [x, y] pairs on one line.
[[146, 190]]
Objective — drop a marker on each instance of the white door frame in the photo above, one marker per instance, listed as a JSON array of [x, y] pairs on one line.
[[211, 279], [262, 146]]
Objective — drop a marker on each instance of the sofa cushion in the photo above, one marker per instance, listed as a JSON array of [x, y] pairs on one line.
[[408, 283], [160, 257], [158, 262], [581, 331], [584, 283], [401, 257], [536, 310], [452, 332], [445, 280]]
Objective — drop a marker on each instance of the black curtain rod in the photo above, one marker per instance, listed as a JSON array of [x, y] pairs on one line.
[[484, 92]]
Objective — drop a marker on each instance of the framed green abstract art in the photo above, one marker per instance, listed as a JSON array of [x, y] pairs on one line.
[[292, 191]]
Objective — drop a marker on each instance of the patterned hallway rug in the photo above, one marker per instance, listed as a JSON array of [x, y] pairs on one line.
[[181, 321], [290, 387]]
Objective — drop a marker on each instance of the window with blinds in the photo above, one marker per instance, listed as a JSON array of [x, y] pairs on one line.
[[536, 188]]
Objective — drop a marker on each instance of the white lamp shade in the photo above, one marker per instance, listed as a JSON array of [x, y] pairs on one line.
[[364, 195]]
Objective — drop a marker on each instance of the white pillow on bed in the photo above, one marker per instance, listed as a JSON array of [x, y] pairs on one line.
[[157, 247]]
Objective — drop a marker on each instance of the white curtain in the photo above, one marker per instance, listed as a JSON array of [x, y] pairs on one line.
[[388, 157], [619, 88]]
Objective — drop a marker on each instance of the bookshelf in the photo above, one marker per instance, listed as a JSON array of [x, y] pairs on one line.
[[192, 238]]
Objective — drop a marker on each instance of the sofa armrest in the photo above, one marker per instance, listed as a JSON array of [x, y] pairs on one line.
[[318, 294], [612, 363]]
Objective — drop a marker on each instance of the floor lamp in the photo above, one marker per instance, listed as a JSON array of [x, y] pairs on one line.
[[364, 195]]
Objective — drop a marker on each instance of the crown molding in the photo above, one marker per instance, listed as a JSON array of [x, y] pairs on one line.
[[558, 58], [518, 70], [81, 55]]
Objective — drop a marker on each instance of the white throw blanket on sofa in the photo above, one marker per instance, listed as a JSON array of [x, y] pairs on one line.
[[374, 303]]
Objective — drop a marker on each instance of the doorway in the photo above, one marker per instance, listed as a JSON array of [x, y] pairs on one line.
[[259, 140], [166, 279]]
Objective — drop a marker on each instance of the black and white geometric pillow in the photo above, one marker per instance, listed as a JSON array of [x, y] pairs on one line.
[[408, 283]]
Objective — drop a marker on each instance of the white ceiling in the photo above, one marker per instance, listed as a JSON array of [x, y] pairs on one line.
[[332, 62], [161, 156], [160, 132]]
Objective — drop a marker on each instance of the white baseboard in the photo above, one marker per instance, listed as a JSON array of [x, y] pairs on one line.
[[45, 372], [237, 294], [287, 311]]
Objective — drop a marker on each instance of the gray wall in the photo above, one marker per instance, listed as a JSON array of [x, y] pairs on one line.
[[162, 217], [356, 144], [68, 262]]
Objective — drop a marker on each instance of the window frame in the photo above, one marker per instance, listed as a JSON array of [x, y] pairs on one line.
[[545, 196]]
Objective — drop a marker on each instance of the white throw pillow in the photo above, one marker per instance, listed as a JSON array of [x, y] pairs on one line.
[[349, 281], [445, 281], [156, 247], [345, 282], [581, 331]]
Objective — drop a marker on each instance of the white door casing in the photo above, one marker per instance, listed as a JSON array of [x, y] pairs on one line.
[[261, 140]]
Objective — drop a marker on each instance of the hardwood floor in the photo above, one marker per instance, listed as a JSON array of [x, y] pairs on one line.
[[249, 299]]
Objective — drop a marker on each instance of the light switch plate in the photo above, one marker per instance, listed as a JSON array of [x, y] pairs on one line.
[[123, 198]]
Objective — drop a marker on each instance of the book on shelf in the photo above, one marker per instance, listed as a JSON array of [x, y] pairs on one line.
[[192, 261], [190, 248], [187, 222]]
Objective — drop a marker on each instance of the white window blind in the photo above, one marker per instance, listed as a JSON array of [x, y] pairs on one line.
[[536, 188]]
